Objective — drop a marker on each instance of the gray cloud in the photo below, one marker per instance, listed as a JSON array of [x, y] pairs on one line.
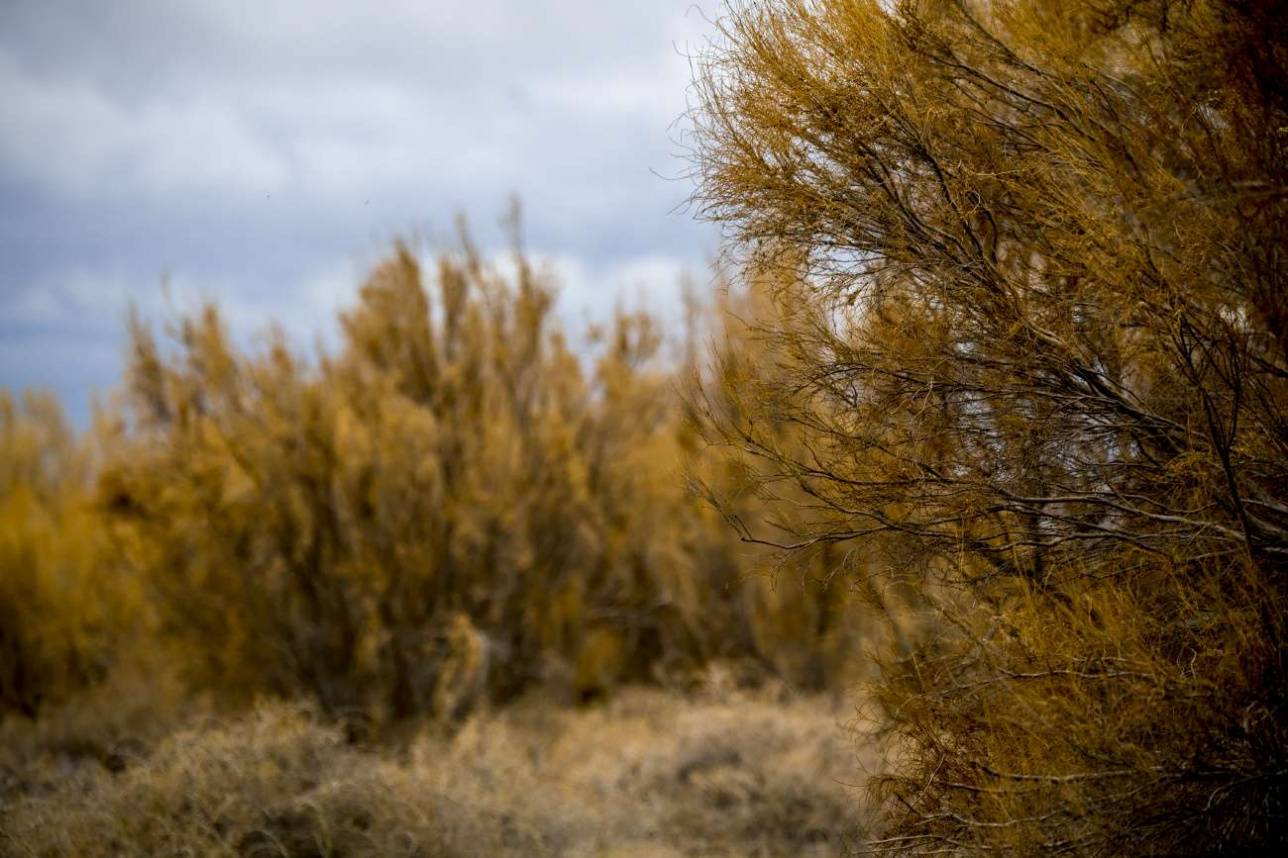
[[263, 153]]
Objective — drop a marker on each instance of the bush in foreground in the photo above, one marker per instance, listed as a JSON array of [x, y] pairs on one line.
[[1037, 374]]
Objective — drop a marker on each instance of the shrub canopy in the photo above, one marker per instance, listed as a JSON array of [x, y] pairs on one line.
[[1040, 374]]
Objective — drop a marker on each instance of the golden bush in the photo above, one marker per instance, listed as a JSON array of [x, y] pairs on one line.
[[1036, 376], [449, 507], [61, 607]]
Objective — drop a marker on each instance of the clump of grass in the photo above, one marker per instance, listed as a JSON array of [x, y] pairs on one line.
[[646, 773]]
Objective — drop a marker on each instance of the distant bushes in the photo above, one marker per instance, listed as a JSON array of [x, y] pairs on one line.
[[450, 507], [64, 599]]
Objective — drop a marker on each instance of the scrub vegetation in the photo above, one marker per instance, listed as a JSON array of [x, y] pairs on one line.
[[449, 515], [954, 521], [1038, 376]]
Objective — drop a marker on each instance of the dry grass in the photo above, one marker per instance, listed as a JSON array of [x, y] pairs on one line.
[[645, 774]]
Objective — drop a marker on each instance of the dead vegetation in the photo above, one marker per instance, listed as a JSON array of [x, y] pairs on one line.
[[646, 774]]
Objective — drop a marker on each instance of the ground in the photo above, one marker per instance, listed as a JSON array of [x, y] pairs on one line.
[[646, 773]]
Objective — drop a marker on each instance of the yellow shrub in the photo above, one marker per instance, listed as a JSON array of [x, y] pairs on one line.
[[451, 507], [60, 609], [1032, 378]]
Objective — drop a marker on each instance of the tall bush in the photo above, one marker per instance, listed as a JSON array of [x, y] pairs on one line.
[[62, 606], [452, 506], [1039, 379]]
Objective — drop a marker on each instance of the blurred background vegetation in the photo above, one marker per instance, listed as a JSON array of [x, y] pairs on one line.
[[261, 577], [451, 508]]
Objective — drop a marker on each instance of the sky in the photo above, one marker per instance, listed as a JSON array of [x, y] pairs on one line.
[[264, 154]]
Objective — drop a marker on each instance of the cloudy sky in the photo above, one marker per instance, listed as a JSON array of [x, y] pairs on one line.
[[264, 153]]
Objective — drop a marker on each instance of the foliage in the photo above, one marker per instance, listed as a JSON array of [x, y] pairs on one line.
[[451, 506], [59, 613], [1037, 376], [816, 622]]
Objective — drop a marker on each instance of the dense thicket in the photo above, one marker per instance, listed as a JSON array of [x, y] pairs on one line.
[[1038, 373], [450, 507], [60, 613]]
